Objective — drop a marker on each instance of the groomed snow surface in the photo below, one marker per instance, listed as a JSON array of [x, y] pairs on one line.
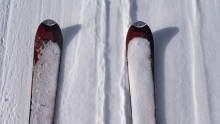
[[93, 85]]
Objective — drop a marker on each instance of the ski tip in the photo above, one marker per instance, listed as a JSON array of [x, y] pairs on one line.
[[49, 22], [139, 24]]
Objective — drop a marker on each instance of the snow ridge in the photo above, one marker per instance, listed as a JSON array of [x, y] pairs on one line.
[[8, 98], [99, 49], [125, 111]]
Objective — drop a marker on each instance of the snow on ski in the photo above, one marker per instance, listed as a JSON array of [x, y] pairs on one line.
[[140, 63], [47, 54]]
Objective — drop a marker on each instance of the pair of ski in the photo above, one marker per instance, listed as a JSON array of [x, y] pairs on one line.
[[45, 76]]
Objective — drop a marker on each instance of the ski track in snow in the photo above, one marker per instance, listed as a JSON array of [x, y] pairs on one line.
[[93, 87]]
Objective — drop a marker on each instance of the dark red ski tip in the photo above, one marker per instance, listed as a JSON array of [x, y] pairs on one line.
[[48, 30], [141, 29]]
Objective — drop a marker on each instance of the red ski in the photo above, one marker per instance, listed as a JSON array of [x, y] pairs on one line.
[[140, 64], [46, 64]]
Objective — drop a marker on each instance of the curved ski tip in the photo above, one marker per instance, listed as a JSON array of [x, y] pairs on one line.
[[49, 22], [139, 24]]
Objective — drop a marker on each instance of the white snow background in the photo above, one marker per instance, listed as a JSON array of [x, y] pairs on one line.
[[93, 86]]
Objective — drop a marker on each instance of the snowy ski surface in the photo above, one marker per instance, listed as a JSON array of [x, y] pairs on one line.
[[45, 84], [141, 81], [93, 86]]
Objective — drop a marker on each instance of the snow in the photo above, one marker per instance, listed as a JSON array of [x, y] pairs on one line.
[[45, 84], [141, 81], [93, 86]]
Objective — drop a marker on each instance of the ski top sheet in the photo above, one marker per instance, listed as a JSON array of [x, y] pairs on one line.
[[140, 64], [47, 55]]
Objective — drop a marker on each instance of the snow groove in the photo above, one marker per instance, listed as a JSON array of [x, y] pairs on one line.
[[201, 72], [198, 67], [133, 11], [106, 111], [204, 86]]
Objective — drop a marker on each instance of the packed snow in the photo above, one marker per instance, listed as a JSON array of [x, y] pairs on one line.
[[141, 81], [44, 85], [93, 86]]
